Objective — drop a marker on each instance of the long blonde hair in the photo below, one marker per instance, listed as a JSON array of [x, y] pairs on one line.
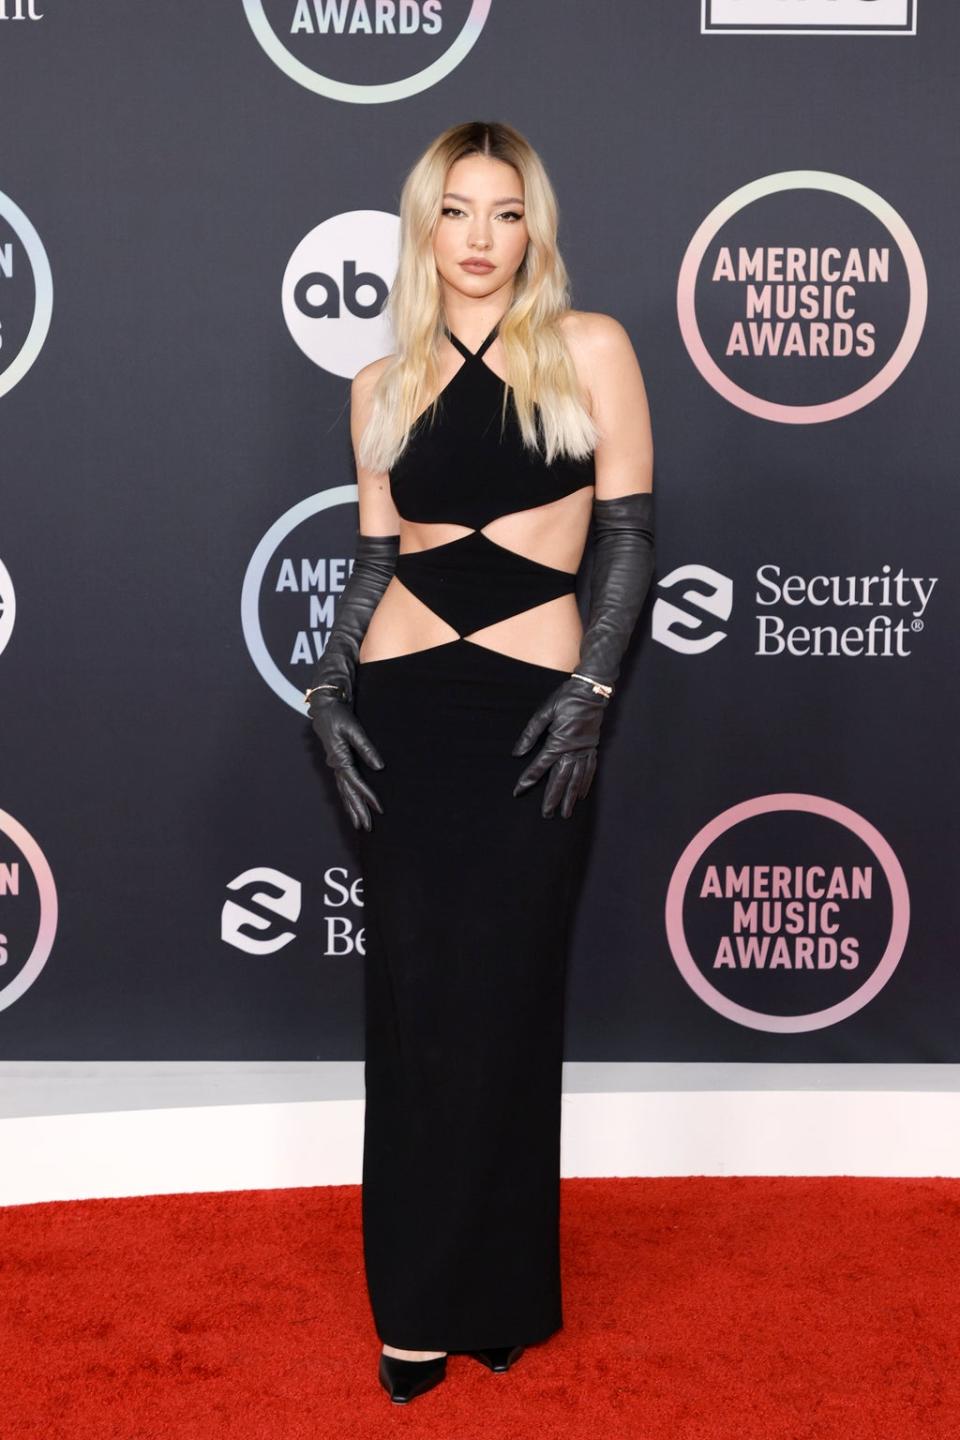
[[540, 370]]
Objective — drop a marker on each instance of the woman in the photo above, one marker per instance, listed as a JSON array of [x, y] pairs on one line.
[[485, 445]]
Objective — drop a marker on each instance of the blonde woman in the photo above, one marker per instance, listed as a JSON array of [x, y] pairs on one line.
[[504, 423]]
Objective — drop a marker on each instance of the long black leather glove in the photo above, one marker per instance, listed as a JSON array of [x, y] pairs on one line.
[[331, 705], [572, 714]]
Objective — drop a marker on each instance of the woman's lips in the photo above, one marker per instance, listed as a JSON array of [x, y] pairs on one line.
[[477, 265]]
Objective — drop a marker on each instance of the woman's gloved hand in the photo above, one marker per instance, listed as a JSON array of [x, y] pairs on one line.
[[338, 728], [572, 714], [330, 695]]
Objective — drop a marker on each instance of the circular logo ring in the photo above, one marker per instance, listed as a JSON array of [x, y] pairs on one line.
[[43, 294], [693, 259], [764, 805], [47, 891], [253, 582], [367, 94]]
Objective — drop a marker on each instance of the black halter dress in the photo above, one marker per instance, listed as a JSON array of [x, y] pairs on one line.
[[468, 899]]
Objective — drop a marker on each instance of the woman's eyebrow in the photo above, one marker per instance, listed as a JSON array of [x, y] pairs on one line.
[[505, 200]]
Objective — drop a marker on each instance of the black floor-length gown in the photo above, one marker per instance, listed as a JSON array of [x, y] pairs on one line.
[[468, 896]]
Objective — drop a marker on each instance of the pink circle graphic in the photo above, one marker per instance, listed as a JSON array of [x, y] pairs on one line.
[[47, 891], [748, 195], [748, 810]]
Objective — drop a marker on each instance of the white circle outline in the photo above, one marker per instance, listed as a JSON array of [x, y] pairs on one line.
[[749, 810], [49, 908], [759, 189], [43, 293], [368, 94], [253, 582]]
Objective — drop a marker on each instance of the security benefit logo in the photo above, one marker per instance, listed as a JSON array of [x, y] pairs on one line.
[[794, 616], [365, 51], [802, 297], [264, 912], [787, 913], [26, 293], [28, 909], [809, 17]]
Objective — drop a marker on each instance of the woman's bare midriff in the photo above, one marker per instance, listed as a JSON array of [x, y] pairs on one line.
[[554, 534]]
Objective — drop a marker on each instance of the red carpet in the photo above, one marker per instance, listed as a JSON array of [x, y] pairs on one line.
[[695, 1309]]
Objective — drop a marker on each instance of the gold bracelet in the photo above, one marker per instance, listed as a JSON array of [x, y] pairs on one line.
[[598, 686]]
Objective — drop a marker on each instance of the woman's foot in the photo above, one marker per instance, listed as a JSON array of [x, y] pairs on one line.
[[404, 1378], [413, 1354], [498, 1358]]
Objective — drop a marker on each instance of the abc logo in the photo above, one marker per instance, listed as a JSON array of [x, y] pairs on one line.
[[334, 289]]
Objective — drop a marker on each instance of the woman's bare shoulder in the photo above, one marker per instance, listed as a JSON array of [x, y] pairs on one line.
[[368, 375], [592, 335], [600, 348], [362, 388]]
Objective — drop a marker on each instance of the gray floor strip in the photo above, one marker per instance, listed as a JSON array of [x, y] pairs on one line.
[[42, 1087]]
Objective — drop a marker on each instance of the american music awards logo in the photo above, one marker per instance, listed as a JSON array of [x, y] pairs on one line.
[[26, 292], [787, 913], [784, 322], [324, 45], [28, 909], [297, 573]]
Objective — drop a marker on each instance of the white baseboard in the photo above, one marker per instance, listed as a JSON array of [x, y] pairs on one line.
[[240, 1146]]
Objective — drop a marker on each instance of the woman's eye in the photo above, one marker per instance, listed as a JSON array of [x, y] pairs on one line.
[[512, 215]]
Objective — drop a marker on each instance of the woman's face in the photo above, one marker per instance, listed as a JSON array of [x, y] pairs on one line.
[[481, 219]]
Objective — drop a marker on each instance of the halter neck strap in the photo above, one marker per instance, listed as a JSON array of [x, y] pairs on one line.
[[471, 354]]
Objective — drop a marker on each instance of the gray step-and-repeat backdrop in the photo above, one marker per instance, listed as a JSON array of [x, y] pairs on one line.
[[198, 229]]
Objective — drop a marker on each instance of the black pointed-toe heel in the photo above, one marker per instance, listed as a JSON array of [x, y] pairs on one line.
[[498, 1358], [403, 1379]]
